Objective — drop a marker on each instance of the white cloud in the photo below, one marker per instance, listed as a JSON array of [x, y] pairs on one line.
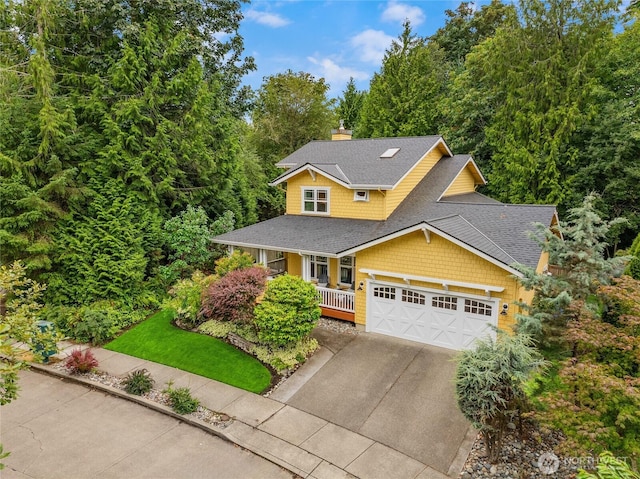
[[266, 18], [370, 45], [335, 75], [399, 12]]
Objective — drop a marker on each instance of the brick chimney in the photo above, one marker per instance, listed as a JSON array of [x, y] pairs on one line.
[[341, 133]]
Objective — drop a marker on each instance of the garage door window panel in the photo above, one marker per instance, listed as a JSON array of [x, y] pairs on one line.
[[413, 297], [384, 292], [445, 302], [477, 307]]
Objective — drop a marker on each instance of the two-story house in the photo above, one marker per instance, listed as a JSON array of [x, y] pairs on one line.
[[397, 240]]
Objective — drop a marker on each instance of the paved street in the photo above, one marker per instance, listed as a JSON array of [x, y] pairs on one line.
[[62, 430]]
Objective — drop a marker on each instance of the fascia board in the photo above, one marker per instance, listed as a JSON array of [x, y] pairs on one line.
[[241, 244], [308, 167], [440, 142]]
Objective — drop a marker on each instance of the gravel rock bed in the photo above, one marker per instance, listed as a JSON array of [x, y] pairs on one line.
[[215, 418], [338, 326], [520, 457]]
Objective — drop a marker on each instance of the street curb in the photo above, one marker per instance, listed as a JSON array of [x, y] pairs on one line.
[[202, 425]]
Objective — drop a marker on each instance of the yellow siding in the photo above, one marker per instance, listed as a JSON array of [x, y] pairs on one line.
[[526, 296], [412, 255], [464, 183], [400, 192], [341, 204], [294, 263]]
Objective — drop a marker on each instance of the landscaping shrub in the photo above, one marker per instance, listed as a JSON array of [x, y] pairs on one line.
[[80, 361], [217, 329], [610, 467], [233, 297], [186, 297], [96, 323], [138, 382], [236, 260], [490, 383], [21, 297], [288, 312], [633, 268], [596, 398], [181, 400], [285, 357], [188, 239]]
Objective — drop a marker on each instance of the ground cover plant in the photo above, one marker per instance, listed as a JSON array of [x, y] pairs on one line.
[[138, 382], [156, 339], [181, 399], [80, 362]]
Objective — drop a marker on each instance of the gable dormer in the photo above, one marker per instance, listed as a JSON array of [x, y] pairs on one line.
[[467, 180]]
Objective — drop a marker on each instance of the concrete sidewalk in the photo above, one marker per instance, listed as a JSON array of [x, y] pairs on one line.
[[298, 441]]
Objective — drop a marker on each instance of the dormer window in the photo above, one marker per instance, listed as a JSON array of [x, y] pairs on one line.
[[315, 200], [361, 195]]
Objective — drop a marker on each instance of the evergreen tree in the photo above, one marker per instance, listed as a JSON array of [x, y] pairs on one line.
[[38, 140], [544, 64], [103, 249], [577, 250], [143, 93], [349, 106], [403, 96], [467, 26], [490, 385], [609, 145]]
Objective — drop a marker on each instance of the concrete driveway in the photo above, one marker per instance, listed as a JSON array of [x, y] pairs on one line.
[[56, 429], [399, 393]]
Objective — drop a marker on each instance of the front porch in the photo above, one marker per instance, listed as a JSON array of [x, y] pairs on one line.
[[337, 298], [337, 303]]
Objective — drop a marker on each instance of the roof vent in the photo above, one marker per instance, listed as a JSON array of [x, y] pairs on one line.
[[390, 153]]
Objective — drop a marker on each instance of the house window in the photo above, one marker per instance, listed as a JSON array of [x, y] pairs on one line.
[[409, 296], [361, 195], [315, 200], [445, 302], [320, 268], [347, 270], [384, 292], [477, 307]]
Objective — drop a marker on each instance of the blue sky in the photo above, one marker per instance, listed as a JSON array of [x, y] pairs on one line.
[[332, 39]]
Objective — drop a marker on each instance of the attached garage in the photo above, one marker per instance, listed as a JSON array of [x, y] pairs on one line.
[[438, 318]]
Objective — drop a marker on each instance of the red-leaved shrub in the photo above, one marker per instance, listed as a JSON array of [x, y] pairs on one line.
[[81, 361], [233, 297]]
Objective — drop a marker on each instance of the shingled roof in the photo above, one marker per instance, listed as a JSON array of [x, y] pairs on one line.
[[495, 230], [359, 163]]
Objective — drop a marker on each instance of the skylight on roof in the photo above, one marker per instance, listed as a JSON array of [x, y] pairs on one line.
[[390, 153]]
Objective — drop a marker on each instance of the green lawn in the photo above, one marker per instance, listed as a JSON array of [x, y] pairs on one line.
[[157, 340]]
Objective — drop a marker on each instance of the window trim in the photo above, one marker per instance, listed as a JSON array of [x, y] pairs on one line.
[[315, 190], [359, 198], [352, 267], [314, 263]]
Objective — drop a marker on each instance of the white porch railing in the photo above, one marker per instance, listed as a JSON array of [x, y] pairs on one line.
[[337, 299]]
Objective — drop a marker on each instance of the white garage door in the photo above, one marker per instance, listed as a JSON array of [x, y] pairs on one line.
[[449, 321]]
